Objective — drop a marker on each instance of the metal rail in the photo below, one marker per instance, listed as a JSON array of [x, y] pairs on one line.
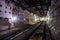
[[26, 34], [47, 35]]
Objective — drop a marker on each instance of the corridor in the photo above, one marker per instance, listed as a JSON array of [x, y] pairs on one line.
[[29, 19]]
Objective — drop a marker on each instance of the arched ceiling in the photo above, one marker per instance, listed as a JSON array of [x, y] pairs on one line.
[[39, 7]]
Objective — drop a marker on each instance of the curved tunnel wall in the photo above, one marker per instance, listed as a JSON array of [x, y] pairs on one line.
[[54, 14]]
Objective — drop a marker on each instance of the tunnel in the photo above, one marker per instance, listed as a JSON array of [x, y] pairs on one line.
[[29, 20]]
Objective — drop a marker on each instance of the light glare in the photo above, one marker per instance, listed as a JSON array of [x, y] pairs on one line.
[[14, 19]]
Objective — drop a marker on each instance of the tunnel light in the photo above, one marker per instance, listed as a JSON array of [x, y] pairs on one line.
[[43, 19], [35, 18], [24, 19], [48, 18], [14, 19]]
